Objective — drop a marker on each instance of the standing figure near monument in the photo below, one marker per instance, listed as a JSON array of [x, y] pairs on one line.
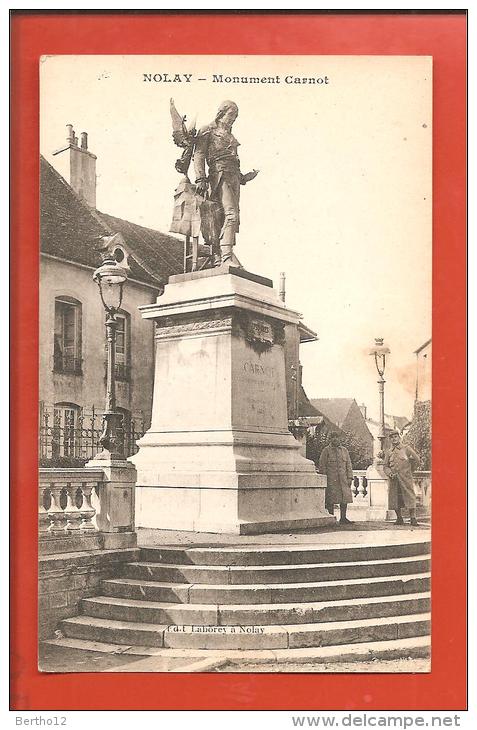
[[216, 146], [335, 462], [399, 464]]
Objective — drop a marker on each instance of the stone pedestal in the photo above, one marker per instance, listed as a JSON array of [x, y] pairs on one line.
[[218, 456], [378, 490], [115, 508]]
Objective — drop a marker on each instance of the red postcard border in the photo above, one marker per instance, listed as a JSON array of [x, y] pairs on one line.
[[442, 36]]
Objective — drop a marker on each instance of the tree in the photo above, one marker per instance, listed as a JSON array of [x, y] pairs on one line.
[[358, 449], [316, 441], [419, 434]]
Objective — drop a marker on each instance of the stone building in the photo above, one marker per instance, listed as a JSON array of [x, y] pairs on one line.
[[419, 433], [72, 367], [346, 416], [297, 401], [424, 372]]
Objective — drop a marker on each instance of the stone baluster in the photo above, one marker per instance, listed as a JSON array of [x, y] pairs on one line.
[[43, 516], [364, 482], [72, 513], [87, 511], [360, 493], [426, 492], [56, 513], [418, 491]]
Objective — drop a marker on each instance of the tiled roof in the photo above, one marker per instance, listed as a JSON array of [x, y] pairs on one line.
[[423, 346], [70, 230], [336, 409], [390, 422], [399, 422], [159, 253], [305, 408]]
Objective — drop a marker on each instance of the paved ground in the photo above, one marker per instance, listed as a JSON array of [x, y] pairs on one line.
[[389, 666], [59, 660], [356, 533]]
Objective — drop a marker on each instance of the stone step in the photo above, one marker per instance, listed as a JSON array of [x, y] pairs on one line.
[[278, 555], [266, 593], [302, 573], [251, 637], [315, 612], [105, 607], [417, 646]]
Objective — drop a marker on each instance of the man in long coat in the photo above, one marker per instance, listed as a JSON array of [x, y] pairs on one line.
[[400, 461], [335, 462]]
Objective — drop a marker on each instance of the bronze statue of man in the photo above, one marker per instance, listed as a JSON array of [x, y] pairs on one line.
[[216, 146]]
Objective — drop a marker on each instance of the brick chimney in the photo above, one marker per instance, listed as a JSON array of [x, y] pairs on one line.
[[363, 410], [78, 165]]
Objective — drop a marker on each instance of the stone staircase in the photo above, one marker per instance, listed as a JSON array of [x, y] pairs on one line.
[[251, 600]]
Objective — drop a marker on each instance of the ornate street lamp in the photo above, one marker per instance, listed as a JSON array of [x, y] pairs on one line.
[[380, 350], [110, 279]]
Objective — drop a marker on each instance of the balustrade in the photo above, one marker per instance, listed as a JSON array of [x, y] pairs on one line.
[[423, 482], [65, 501], [359, 487]]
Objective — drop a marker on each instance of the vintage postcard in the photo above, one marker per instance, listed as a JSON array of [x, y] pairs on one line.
[[235, 363]]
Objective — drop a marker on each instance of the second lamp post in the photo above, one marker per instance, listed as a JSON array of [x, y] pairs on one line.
[[380, 350]]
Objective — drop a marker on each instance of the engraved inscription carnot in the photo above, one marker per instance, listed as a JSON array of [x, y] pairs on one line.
[[255, 368]]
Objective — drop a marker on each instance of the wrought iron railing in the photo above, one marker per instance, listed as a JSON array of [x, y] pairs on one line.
[[122, 371], [67, 364], [73, 444]]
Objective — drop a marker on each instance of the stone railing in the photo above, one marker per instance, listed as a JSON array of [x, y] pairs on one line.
[[359, 486], [423, 482], [370, 494], [87, 508], [361, 491], [68, 501]]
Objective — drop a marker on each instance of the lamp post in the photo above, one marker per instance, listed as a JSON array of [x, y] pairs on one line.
[[380, 350], [110, 279]]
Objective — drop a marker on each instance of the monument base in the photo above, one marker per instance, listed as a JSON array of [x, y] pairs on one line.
[[240, 511], [219, 456], [198, 510]]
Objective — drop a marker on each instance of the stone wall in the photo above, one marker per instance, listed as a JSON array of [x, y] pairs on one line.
[[63, 580]]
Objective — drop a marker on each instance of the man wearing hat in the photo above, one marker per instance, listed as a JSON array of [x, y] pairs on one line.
[[335, 462], [400, 461]]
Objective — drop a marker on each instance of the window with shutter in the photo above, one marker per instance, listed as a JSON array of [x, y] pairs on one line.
[[67, 337]]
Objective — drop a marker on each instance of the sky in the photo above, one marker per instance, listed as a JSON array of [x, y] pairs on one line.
[[342, 203]]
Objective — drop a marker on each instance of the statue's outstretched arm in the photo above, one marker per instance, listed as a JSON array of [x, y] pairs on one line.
[[244, 179]]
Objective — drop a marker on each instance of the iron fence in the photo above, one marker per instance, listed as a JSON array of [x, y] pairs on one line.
[[122, 371], [67, 364], [70, 438]]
